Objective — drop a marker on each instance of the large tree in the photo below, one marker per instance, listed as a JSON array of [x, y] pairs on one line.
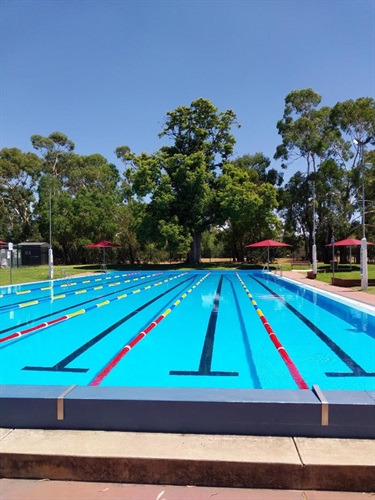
[[356, 120], [180, 179], [310, 137]]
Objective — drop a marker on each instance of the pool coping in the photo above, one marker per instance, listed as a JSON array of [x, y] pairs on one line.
[[259, 412]]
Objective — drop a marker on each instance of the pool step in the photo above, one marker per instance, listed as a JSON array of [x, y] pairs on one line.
[[189, 459]]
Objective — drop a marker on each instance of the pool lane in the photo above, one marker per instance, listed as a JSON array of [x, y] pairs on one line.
[[301, 383], [19, 317]]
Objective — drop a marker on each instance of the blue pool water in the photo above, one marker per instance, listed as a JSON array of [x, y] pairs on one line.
[[184, 329]]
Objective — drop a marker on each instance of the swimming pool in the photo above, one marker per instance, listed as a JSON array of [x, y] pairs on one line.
[[176, 336]]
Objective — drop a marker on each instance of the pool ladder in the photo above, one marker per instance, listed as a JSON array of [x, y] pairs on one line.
[[65, 275], [278, 269]]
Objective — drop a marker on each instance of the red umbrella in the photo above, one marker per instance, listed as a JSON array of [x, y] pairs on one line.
[[3, 243], [102, 244], [268, 244], [348, 242]]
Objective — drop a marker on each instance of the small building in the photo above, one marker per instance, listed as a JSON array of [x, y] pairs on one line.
[[33, 253]]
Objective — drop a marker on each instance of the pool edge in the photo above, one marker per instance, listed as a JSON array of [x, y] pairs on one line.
[[258, 412]]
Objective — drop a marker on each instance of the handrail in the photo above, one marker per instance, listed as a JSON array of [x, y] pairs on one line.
[[280, 269]]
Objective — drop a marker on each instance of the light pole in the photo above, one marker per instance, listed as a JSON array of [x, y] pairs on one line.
[[363, 255], [314, 259], [50, 251]]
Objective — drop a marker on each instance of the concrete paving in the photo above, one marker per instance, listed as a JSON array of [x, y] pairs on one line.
[[12, 489], [41, 464], [189, 459]]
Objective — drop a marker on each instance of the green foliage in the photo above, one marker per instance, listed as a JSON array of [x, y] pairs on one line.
[[356, 118], [19, 174], [180, 179], [200, 128], [54, 149], [318, 136], [246, 204]]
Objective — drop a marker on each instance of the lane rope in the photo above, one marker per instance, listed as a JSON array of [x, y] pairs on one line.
[[63, 285], [46, 324], [14, 307], [280, 348], [98, 379]]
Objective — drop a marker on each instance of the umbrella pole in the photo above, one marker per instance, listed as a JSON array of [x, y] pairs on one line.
[[268, 259], [350, 256]]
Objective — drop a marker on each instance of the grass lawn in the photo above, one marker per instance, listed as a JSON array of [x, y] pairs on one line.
[[40, 273], [354, 274]]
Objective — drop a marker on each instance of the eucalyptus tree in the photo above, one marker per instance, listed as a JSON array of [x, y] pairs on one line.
[[77, 195], [19, 174], [296, 215], [356, 120], [55, 150], [309, 135], [180, 180]]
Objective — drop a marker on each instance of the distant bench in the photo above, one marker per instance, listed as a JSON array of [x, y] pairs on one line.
[[299, 263]]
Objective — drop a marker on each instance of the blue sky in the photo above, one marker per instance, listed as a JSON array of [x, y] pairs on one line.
[[105, 73]]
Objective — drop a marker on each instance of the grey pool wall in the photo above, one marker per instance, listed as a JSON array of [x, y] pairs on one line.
[[262, 412]]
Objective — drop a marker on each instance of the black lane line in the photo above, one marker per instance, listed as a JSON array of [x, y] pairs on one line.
[[46, 298], [208, 346], [357, 370], [248, 351], [61, 365], [76, 305]]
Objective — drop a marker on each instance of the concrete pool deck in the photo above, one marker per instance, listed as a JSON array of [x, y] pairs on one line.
[[137, 465], [349, 293]]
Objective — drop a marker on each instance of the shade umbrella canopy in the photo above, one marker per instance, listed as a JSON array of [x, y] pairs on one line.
[[3, 243], [103, 244], [268, 244], [106, 244], [348, 242]]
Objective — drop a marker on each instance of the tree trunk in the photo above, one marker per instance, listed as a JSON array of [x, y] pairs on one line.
[[194, 256]]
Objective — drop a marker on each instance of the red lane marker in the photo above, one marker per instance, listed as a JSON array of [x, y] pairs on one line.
[[101, 375], [118, 357], [33, 329], [280, 349]]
